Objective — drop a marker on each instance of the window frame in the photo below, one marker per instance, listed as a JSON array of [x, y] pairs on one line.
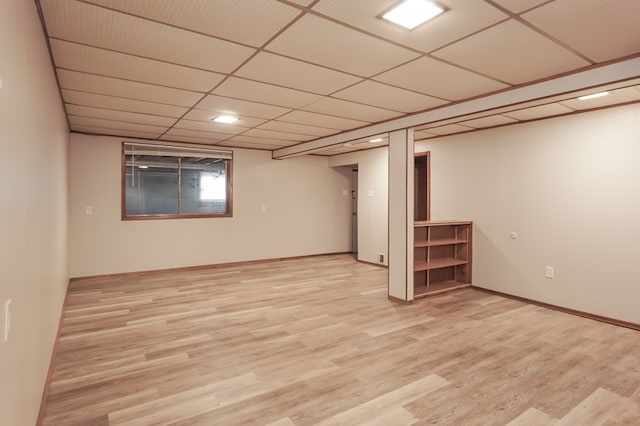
[[178, 151]]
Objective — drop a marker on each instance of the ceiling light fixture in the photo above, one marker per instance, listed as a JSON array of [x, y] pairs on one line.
[[593, 96], [376, 140], [226, 119], [412, 13], [143, 167]]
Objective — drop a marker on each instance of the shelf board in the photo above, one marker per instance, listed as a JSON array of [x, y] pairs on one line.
[[425, 223], [437, 288], [437, 263], [444, 242]]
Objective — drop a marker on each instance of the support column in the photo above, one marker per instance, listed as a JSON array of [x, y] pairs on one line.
[[401, 181]]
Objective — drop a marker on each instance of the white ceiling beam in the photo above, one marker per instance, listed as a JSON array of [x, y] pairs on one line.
[[592, 77]]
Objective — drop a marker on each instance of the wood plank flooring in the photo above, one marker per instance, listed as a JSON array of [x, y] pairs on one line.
[[315, 341]]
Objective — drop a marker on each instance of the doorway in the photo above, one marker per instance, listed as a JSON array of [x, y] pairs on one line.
[[422, 183]]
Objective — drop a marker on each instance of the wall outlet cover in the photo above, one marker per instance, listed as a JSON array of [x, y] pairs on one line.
[[7, 320], [548, 271]]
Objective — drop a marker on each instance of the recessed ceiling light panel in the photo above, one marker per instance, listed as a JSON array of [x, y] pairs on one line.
[[376, 140], [411, 13], [593, 96], [226, 119]]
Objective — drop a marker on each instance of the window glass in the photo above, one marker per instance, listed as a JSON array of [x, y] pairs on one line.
[[161, 181]]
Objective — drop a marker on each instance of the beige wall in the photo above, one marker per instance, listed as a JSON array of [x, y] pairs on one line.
[[373, 176], [305, 213], [33, 210], [569, 187]]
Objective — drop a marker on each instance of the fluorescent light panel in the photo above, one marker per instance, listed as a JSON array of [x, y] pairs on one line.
[[226, 119], [412, 13], [593, 96], [376, 140]]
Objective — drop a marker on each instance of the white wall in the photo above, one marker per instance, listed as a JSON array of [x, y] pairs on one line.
[[373, 176], [33, 210], [306, 213], [569, 187]]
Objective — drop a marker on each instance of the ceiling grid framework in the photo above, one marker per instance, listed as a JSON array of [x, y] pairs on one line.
[[295, 72]]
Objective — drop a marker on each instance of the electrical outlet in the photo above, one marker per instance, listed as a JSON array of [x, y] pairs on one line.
[[380, 257], [548, 271]]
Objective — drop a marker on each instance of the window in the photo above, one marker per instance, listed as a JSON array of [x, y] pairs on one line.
[[161, 181], [212, 187]]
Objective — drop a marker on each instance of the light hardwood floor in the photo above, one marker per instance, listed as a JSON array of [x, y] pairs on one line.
[[315, 341]]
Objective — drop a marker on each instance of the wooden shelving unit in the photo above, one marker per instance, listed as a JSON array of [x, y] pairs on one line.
[[442, 256]]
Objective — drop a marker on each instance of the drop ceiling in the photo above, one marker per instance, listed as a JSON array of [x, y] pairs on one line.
[[298, 71]]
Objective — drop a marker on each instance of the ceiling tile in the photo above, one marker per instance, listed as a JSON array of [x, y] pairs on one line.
[[627, 94], [208, 126], [346, 109], [335, 48], [519, 6], [437, 79], [449, 129], [511, 52], [250, 22], [113, 132], [242, 123], [490, 121], [177, 138], [125, 89], [110, 124], [321, 120], [302, 2], [257, 142], [421, 134], [385, 96], [464, 17], [136, 67], [109, 29], [537, 112], [601, 30], [267, 67], [98, 61], [108, 114], [242, 108], [270, 134], [208, 136], [121, 104], [301, 129], [241, 88]]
